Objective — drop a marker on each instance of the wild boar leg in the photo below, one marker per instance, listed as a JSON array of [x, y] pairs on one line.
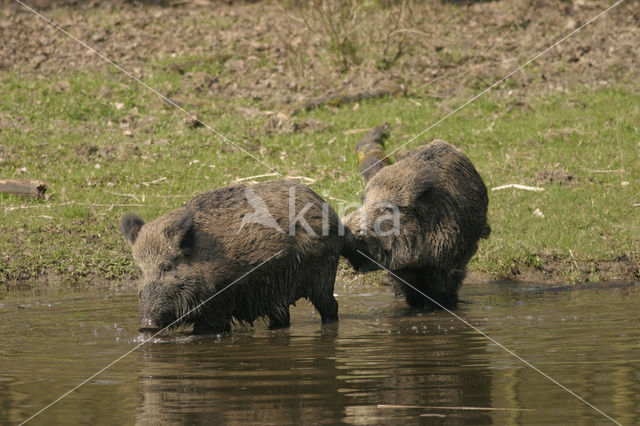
[[408, 283], [439, 285], [328, 308], [280, 319]]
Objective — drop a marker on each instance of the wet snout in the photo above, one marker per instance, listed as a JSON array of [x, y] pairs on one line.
[[358, 250], [148, 325], [151, 308]]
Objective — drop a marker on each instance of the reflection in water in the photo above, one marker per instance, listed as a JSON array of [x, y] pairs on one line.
[[286, 377], [238, 380], [381, 364]]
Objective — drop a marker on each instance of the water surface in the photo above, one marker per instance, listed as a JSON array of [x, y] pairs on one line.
[[382, 364]]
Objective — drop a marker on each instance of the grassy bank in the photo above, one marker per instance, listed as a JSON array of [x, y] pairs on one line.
[[105, 146], [127, 152]]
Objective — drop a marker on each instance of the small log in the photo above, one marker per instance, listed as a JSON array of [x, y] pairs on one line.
[[24, 187], [350, 96], [370, 151]]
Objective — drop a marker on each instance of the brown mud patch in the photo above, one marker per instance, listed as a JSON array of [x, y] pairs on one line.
[[281, 54], [555, 176], [276, 55], [554, 269]]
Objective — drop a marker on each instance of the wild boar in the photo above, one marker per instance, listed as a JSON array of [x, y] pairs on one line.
[[208, 249], [421, 218]]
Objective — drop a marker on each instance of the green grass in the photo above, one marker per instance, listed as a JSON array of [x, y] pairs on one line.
[[69, 131]]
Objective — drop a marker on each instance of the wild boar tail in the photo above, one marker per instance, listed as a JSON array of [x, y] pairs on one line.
[[370, 151]]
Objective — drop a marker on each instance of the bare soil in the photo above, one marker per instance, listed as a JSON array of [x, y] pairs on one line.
[[554, 269], [282, 54]]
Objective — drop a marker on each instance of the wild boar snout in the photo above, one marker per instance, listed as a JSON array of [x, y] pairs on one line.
[[156, 308], [148, 325]]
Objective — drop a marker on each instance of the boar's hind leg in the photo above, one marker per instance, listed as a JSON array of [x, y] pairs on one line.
[[279, 319], [320, 278]]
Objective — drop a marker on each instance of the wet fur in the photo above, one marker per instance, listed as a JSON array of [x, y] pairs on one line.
[[442, 202], [201, 243]]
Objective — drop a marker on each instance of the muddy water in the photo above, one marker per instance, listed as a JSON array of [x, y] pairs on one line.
[[383, 363]]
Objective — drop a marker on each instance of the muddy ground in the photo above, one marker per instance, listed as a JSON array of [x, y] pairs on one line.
[[282, 53]]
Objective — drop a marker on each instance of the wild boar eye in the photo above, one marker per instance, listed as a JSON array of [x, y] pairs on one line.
[[167, 267], [387, 208]]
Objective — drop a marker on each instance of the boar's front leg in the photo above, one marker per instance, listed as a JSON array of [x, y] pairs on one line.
[[327, 307], [439, 286], [409, 283]]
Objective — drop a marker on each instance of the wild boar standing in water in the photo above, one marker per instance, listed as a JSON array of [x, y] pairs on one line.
[[421, 218], [188, 255]]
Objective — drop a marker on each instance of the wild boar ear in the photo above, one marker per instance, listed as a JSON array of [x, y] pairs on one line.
[[425, 182], [130, 227], [182, 231]]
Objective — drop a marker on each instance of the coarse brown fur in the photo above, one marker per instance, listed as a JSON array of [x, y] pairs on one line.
[[204, 250], [441, 203]]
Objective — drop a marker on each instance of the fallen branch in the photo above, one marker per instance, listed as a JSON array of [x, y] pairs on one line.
[[90, 205], [426, 407], [340, 200], [153, 182], [636, 205], [370, 151], [355, 131], [38, 206], [302, 178], [574, 260], [24, 187], [518, 186], [191, 3], [608, 171], [346, 97], [169, 196], [93, 210], [134, 196], [256, 177]]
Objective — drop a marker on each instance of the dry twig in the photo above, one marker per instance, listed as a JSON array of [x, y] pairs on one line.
[[427, 407], [518, 186]]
